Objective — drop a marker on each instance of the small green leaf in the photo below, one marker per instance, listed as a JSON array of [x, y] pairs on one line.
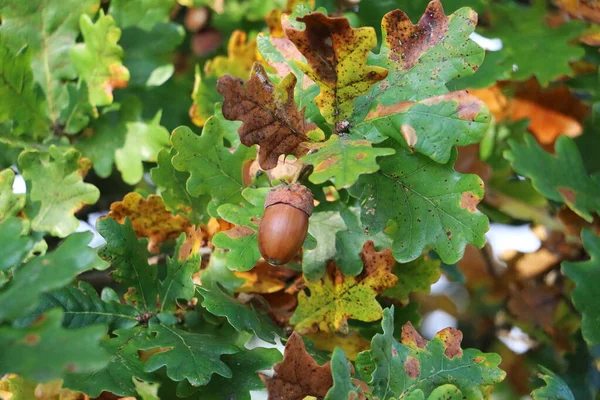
[[414, 277], [148, 54], [510, 21], [76, 115], [241, 317], [217, 271], [343, 387], [55, 188], [82, 307], [422, 204], [399, 369], [242, 240], [117, 376], [98, 60], [10, 203], [585, 275], [178, 283], [144, 14], [15, 247], [323, 227], [46, 273], [172, 189], [343, 160], [192, 356], [244, 366], [38, 352], [213, 169], [560, 177], [555, 389], [20, 102], [129, 257]]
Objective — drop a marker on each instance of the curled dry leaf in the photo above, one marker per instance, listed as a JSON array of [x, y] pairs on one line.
[[149, 218], [298, 375], [270, 117]]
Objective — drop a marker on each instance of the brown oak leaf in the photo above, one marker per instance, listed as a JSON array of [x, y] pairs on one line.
[[298, 375], [270, 117]]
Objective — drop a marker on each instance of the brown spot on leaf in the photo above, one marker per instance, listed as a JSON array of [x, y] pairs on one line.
[[31, 339], [270, 117], [412, 366], [567, 194], [409, 134], [478, 360], [239, 231], [382, 111], [407, 41], [411, 337], [322, 166], [360, 156], [451, 338], [468, 106], [469, 201], [298, 375]]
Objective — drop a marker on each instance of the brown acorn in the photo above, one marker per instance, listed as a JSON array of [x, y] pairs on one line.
[[284, 224]]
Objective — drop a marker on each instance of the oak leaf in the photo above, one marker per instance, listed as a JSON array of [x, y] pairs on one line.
[[337, 61], [149, 218], [298, 375], [269, 114], [336, 298]]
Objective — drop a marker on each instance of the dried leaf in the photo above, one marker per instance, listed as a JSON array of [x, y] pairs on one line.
[[298, 375], [270, 117]]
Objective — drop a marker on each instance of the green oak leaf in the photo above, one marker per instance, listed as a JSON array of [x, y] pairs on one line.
[[350, 240], [244, 366], [55, 188], [509, 21], [213, 169], [561, 177], [178, 283], [399, 368], [39, 353], [342, 387], [217, 271], [10, 204], [413, 105], [15, 246], [192, 356], [98, 60], [585, 275], [342, 160], [422, 204], [20, 102], [49, 29], [414, 277], [171, 184], [555, 389], [143, 14], [242, 240], [143, 141], [148, 54], [126, 139], [46, 273], [218, 302], [82, 307], [129, 257], [117, 375], [76, 115], [146, 390], [322, 227]]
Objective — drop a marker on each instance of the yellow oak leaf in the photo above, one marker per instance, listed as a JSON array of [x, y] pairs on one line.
[[149, 218], [335, 298]]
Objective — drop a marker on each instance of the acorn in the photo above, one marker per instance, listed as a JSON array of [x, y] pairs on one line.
[[284, 224]]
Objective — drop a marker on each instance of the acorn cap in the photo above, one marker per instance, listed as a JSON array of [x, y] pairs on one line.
[[295, 195]]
